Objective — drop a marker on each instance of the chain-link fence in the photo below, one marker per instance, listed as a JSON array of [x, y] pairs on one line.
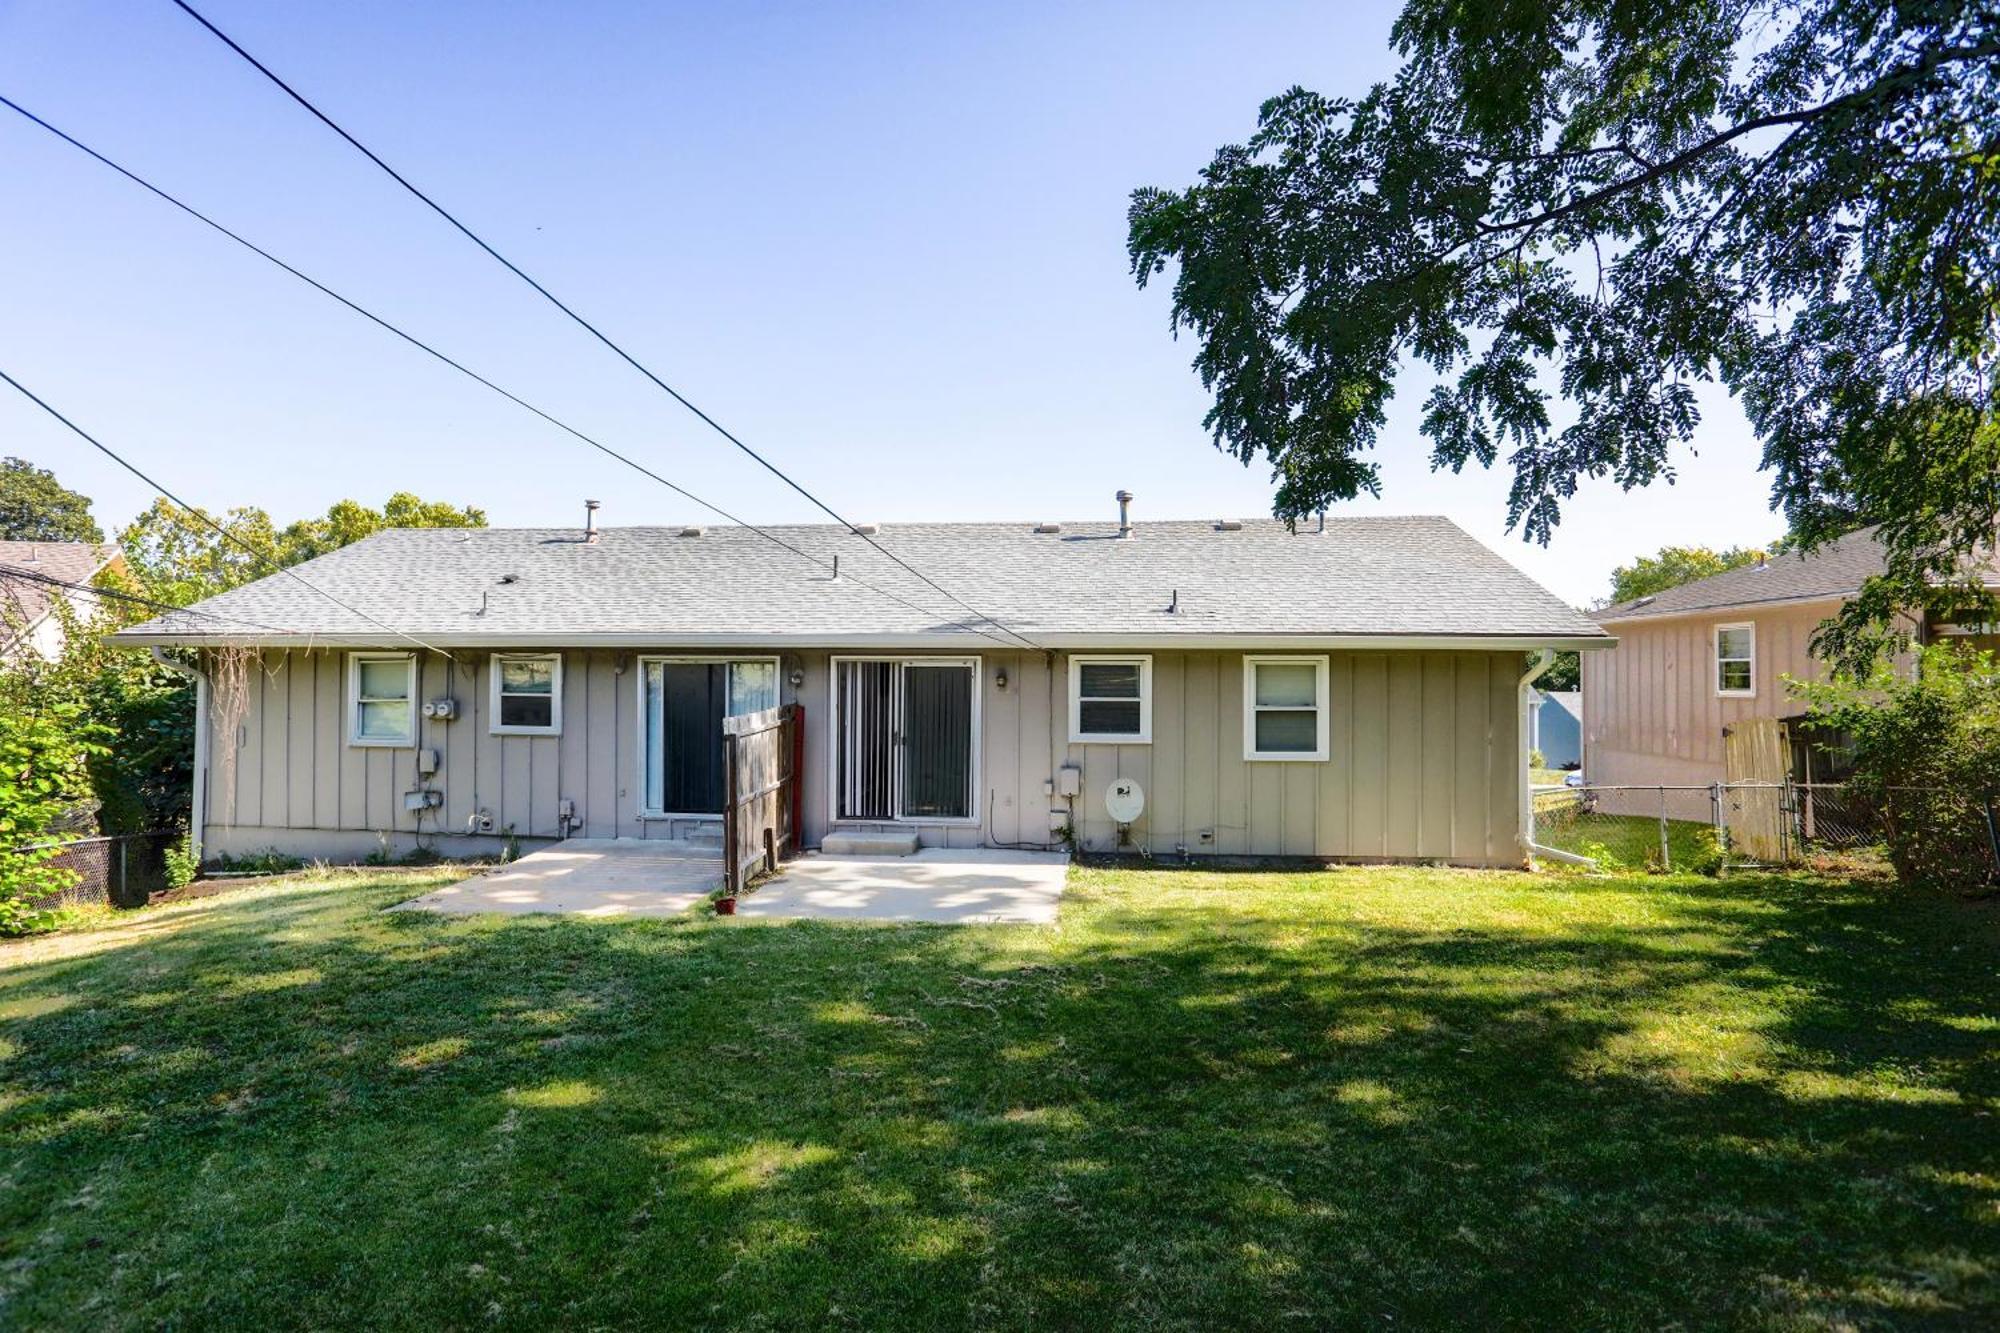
[[1659, 828], [1831, 815], [1722, 825], [120, 871]]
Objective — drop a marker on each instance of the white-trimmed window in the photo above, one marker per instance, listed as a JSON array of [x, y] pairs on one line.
[[1285, 708], [527, 694], [1111, 700], [382, 699], [1736, 661]]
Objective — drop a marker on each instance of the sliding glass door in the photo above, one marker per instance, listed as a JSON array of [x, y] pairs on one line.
[[683, 702], [904, 738]]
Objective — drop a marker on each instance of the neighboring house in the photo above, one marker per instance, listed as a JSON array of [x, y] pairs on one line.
[[1699, 663], [1556, 727], [30, 575], [1347, 692]]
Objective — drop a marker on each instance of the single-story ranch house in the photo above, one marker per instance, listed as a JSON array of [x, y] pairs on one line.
[[1351, 690]]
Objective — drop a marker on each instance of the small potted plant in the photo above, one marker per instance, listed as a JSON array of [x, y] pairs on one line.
[[725, 904]]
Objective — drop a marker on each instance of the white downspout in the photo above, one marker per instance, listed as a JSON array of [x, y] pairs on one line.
[[1524, 694], [198, 802]]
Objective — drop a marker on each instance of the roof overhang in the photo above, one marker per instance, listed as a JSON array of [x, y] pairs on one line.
[[1732, 608], [1724, 609], [953, 642]]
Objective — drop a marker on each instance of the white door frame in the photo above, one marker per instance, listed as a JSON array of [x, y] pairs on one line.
[[705, 659], [973, 663]]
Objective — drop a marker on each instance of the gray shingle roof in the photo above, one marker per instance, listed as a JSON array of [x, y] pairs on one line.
[[1361, 577], [1836, 570]]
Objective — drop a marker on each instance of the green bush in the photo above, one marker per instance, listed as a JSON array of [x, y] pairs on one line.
[[182, 865], [146, 780], [1536, 759], [1603, 857], [1701, 852], [142, 781], [1927, 754], [45, 761]]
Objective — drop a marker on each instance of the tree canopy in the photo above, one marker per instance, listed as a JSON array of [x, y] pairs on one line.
[[35, 507], [181, 560], [1675, 565], [1572, 212]]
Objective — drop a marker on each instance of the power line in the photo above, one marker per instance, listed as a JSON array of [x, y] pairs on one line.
[[585, 324], [113, 594], [474, 375], [211, 524]]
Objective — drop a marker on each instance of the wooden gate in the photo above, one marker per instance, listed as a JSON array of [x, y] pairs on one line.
[[1756, 761], [761, 810]]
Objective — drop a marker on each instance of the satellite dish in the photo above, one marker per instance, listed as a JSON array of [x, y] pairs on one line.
[[1125, 800]]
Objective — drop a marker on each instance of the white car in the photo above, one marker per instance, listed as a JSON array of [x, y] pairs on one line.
[[1574, 779]]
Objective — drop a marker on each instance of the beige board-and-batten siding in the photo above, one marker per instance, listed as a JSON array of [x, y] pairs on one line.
[[1423, 763]]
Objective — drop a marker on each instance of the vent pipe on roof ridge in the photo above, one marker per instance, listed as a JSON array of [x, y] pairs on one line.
[[1124, 513], [590, 508]]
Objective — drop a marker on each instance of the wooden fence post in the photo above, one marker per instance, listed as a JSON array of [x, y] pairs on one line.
[[732, 817]]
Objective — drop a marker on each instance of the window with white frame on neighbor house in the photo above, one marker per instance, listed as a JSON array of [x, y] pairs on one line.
[[1111, 699], [1285, 708], [527, 694], [382, 691], [1736, 659]]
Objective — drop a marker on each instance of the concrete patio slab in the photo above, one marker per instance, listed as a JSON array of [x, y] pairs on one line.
[[605, 877], [983, 886]]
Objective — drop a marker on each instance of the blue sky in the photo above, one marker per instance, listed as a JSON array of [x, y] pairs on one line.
[[883, 243]]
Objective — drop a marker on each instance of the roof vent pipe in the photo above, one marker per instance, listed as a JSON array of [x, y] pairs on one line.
[[1124, 513], [590, 520]]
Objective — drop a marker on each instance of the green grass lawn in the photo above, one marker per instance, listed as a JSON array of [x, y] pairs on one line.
[[1393, 1098]]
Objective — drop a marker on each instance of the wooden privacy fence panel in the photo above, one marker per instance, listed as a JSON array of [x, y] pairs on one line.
[[1757, 762], [760, 812]]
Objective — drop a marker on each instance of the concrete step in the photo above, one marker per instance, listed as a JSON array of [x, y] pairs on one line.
[[869, 844]]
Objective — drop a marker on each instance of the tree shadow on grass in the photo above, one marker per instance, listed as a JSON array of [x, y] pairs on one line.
[[1761, 1102]]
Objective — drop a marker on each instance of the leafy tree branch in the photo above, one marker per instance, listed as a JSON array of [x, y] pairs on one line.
[[1573, 213]]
